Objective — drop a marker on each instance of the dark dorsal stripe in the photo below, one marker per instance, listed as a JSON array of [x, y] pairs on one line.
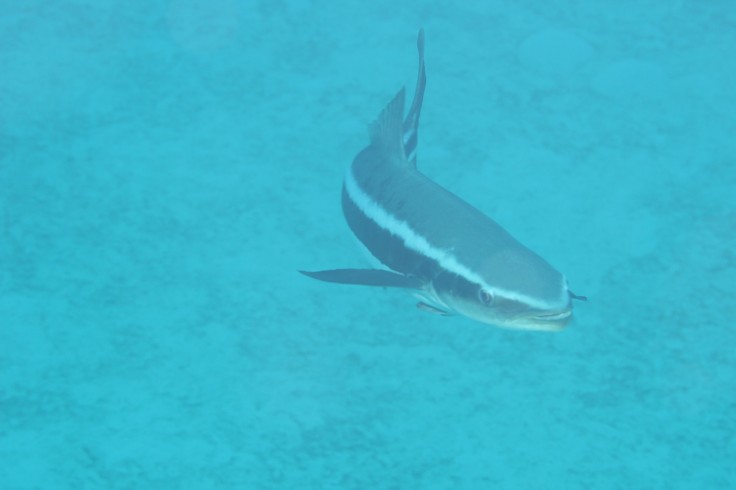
[[387, 248]]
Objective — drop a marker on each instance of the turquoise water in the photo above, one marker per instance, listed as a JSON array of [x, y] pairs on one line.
[[166, 167]]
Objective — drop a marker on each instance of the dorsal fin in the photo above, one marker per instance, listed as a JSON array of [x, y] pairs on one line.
[[411, 123], [386, 130]]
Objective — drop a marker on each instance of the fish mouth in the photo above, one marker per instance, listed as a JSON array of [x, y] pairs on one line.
[[554, 321], [554, 317]]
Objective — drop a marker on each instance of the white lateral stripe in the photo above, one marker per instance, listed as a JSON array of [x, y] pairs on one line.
[[419, 244]]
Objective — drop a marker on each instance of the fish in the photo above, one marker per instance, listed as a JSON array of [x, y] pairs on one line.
[[422, 237]]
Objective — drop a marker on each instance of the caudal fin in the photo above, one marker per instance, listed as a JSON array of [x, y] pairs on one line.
[[411, 123]]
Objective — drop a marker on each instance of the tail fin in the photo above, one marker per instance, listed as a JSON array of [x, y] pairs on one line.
[[411, 123]]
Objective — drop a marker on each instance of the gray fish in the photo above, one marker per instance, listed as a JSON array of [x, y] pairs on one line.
[[424, 238]]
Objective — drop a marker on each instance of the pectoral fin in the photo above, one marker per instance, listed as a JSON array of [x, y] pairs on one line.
[[366, 277]]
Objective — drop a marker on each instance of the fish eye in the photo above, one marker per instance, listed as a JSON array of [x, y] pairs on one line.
[[485, 296]]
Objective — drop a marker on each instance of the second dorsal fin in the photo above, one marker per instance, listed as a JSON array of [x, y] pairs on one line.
[[386, 131]]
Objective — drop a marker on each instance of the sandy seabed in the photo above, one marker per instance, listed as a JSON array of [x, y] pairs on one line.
[[166, 167]]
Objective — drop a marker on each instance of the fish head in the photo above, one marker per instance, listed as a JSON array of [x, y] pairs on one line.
[[504, 308]]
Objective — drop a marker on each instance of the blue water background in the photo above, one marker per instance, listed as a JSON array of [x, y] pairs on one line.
[[167, 166]]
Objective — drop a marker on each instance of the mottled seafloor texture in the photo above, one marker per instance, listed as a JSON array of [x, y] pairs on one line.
[[167, 166]]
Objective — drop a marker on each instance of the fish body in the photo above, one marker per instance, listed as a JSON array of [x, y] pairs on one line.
[[425, 238]]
